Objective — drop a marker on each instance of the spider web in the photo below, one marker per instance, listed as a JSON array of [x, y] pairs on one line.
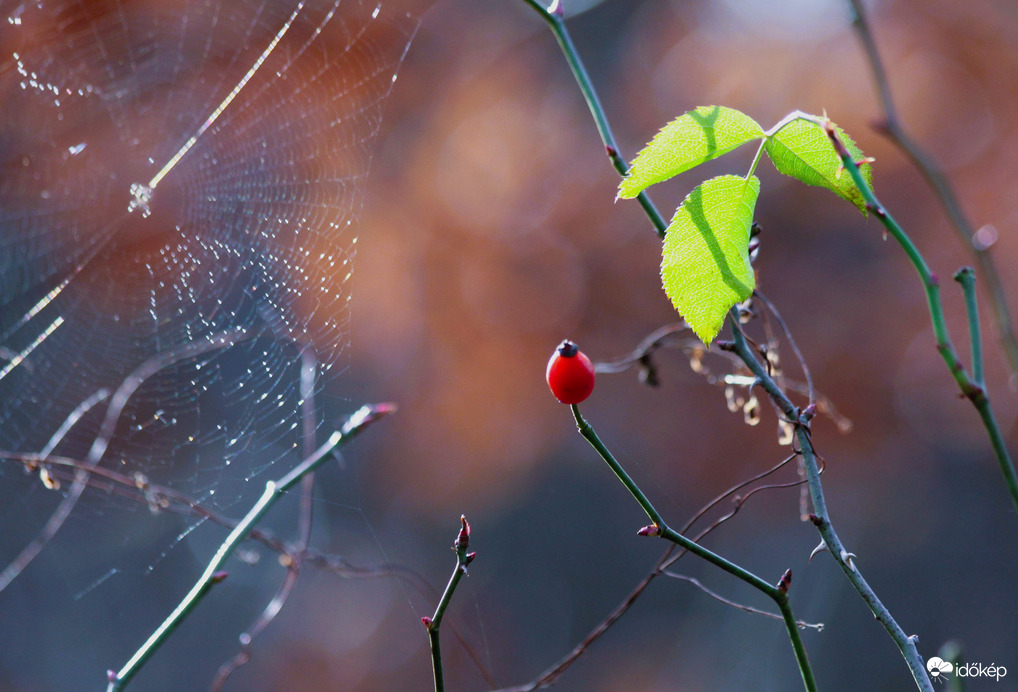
[[179, 187]]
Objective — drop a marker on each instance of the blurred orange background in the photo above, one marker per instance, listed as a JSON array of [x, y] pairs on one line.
[[490, 233]]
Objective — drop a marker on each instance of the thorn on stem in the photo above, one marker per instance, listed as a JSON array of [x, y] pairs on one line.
[[820, 548], [219, 577]]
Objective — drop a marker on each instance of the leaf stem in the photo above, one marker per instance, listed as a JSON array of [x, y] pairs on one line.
[[213, 573], [937, 180], [974, 391], [554, 17], [756, 159], [820, 517], [660, 528]]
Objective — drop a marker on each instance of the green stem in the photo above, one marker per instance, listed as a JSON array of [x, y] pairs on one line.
[[463, 558], [940, 184], [820, 516], [779, 596], [966, 276], [756, 159], [213, 574], [553, 16], [973, 391]]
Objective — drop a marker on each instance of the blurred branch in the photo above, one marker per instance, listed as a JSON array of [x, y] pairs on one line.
[[292, 559], [972, 390], [935, 177], [553, 15], [212, 575], [114, 410]]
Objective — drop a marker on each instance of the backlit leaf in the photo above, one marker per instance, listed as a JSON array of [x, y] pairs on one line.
[[705, 264], [802, 150], [691, 139]]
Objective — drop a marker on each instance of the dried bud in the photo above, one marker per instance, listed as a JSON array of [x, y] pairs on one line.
[[751, 411], [786, 433]]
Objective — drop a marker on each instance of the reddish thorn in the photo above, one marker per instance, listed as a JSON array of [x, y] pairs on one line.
[[652, 530], [219, 576]]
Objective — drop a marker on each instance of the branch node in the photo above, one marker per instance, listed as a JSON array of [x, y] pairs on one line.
[[651, 530]]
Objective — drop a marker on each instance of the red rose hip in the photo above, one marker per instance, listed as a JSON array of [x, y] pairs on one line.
[[570, 374]]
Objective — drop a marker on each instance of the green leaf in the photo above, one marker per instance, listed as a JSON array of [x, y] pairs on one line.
[[705, 260], [691, 139], [802, 150]]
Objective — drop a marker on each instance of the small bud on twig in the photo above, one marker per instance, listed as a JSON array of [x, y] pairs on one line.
[[426, 621], [652, 530], [219, 577], [463, 539], [785, 582]]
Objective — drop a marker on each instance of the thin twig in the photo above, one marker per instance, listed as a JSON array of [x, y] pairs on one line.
[[972, 390], [937, 180], [659, 528], [556, 21], [551, 675], [820, 517], [818, 626], [293, 558], [433, 623], [115, 408], [212, 574]]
